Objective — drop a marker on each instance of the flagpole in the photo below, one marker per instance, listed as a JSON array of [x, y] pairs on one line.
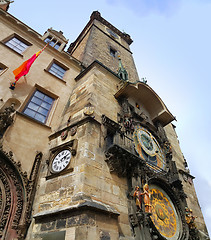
[[25, 68]]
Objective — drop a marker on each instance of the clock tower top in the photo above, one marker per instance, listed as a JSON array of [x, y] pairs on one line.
[[103, 42]]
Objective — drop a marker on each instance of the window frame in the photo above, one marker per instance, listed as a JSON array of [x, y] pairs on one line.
[[113, 52], [51, 110], [54, 61], [3, 67], [22, 40], [53, 42]]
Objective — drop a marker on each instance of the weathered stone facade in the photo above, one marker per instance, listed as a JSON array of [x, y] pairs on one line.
[[73, 175]]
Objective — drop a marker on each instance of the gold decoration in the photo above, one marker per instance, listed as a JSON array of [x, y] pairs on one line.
[[88, 111], [163, 213]]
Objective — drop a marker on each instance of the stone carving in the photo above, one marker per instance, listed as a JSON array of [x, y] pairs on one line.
[[17, 194], [6, 118], [190, 220], [73, 131], [161, 132], [167, 149], [125, 117], [64, 135]]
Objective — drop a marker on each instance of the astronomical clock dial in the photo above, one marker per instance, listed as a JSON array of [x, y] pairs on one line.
[[164, 215], [60, 161], [148, 148]]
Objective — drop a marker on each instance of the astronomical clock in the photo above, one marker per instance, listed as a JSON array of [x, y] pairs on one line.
[[149, 149], [138, 148], [164, 214]]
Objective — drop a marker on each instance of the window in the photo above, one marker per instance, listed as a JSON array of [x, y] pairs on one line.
[[2, 67], [112, 52], [16, 44], [39, 106], [52, 43], [57, 70], [58, 44], [48, 39]]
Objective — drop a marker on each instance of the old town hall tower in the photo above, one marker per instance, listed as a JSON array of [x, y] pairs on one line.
[[99, 156]]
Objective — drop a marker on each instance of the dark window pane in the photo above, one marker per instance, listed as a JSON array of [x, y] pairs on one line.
[[33, 106], [52, 43], [40, 118], [112, 52], [48, 39], [29, 112], [39, 106], [39, 95], [46, 105], [43, 111], [48, 99], [57, 45], [36, 100]]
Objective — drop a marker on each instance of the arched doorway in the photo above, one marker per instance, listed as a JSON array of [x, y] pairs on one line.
[[12, 198]]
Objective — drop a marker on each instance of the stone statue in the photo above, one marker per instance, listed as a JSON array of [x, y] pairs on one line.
[[146, 198], [190, 219], [137, 195]]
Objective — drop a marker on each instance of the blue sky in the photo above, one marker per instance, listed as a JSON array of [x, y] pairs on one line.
[[172, 49]]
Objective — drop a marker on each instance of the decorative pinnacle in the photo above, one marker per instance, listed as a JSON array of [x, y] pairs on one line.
[[144, 80]]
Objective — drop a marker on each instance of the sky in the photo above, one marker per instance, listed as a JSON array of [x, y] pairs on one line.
[[171, 48]]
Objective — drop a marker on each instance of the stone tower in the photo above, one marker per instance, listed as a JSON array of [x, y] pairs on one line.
[[99, 156], [101, 41]]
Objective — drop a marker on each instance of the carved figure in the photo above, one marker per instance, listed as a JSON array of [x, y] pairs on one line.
[[167, 148], [190, 218], [6, 118], [137, 195], [146, 198], [128, 123]]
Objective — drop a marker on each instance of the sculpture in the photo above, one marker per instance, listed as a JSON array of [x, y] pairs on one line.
[[190, 218], [137, 195], [146, 198]]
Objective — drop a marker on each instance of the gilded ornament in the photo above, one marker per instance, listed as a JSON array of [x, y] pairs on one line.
[[88, 111]]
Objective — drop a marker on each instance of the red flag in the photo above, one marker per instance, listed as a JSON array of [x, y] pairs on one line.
[[23, 69]]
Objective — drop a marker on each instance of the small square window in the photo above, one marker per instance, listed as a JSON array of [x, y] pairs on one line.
[[17, 44], [58, 44], [39, 106], [52, 43], [113, 52], [57, 70], [48, 39]]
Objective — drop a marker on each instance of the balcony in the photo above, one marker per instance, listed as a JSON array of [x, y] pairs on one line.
[[121, 155]]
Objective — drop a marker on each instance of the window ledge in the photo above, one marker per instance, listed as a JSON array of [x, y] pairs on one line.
[[2, 43], [62, 80], [32, 119]]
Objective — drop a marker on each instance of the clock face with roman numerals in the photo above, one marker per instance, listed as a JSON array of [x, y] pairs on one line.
[[60, 161], [149, 149]]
